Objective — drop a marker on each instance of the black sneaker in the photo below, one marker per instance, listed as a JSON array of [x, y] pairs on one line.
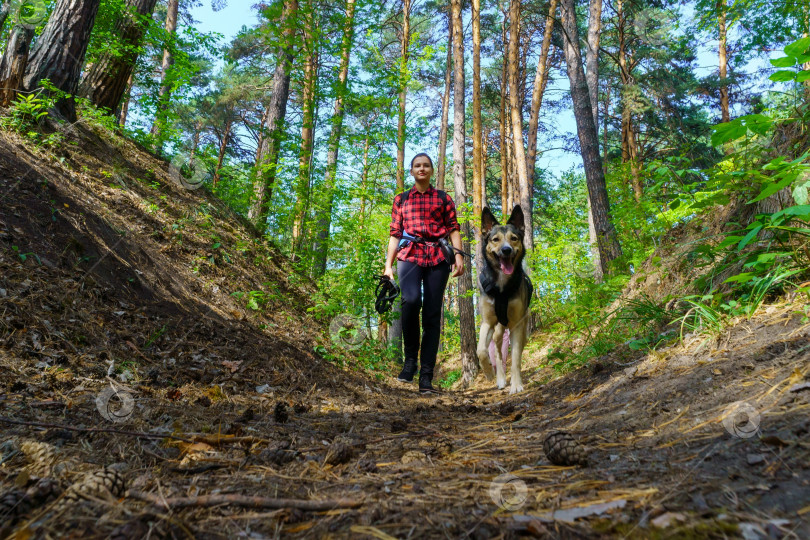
[[408, 371], [425, 388]]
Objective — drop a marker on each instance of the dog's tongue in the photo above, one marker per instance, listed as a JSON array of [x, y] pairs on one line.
[[506, 267]]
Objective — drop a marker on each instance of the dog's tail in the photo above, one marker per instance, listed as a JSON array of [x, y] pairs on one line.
[[504, 350]]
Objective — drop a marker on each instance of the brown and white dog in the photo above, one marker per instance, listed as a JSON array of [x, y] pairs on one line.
[[506, 292]]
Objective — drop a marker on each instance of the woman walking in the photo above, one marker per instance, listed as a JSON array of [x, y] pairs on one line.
[[421, 216]]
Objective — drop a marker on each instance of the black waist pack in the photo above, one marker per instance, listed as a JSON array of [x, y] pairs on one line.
[[447, 251]]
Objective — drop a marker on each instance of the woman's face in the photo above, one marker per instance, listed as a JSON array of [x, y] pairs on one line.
[[421, 169]]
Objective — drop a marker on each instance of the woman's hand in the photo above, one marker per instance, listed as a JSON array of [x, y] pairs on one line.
[[390, 257], [458, 268]]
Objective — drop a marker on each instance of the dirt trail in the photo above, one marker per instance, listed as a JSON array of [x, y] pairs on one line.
[[228, 401]]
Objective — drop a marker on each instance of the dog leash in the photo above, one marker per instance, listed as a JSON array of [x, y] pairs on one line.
[[387, 291]]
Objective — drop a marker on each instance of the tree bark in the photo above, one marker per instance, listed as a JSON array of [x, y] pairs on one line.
[[503, 122], [164, 94], [442, 159], [12, 66], [195, 142], [124, 111], [524, 183], [107, 80], [629, 148], [592, 77], [403, 92], [4, 11], [466, 315], [478, 164], [223, 146], [277, 111], [609, 248], [58, 54], [723, 54], [257, 161], [325, 219], [540, 81], [302, 189], [592, 57]]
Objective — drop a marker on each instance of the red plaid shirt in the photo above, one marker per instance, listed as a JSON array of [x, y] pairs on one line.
[[425, 215]]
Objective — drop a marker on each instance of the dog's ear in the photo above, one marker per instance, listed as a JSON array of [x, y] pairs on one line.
[[517, 220], [487, 221]]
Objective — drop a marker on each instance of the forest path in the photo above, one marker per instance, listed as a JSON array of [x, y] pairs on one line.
[[109, 271]]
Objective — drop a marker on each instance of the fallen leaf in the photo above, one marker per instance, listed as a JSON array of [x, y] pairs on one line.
[[189, 448], [233, 366]]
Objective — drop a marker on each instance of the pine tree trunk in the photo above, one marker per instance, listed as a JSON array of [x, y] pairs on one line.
[[592, 76], [502, 126], [592, 57], [629, 148], [442, 159], [257, 160], [195, 142], [524, 184], [164, 94], [4, 11], [609, 248], [276, 113], [723, 54], [405, 39], [395, 330], [302, 189], [466, 315], [540, 81], [325, 220], [124, 111], [806, 33], [106, 82], [58, 54], [477, 161], [223, 146], [12, 66]]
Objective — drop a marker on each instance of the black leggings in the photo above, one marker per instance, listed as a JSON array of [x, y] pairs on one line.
[[411, 278]]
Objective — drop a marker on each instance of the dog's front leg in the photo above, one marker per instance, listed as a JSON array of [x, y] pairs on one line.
[[500, 368], [483, 349], [518, 334]]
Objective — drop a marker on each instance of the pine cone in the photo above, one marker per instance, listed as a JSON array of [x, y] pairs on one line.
[[280, 412], [13, 505], [42, 457], [277, 456], [562, 449], [339, 452], [444, 446], [44, 491], [96, 485]]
